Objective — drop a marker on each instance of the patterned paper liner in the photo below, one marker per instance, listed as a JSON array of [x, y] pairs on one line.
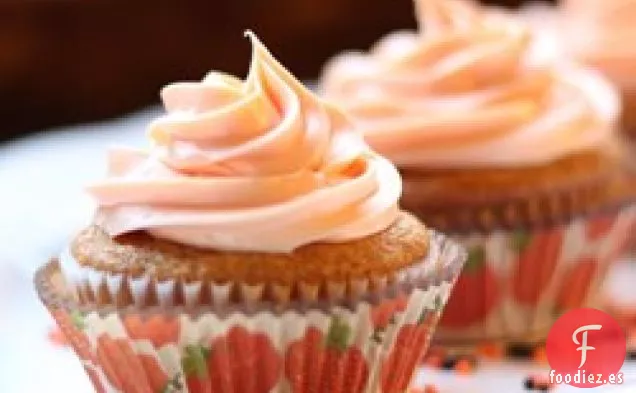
[[515, 284], [364, 342]]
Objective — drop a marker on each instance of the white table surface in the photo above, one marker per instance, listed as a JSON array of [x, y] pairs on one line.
[[42, 205]]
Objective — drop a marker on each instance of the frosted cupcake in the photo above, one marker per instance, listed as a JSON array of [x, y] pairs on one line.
[[512, 153], [257, 246], [600, 33]]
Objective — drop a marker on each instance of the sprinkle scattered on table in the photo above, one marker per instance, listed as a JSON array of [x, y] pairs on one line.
[[520, 351], [540, 355], [491, 351], [464, 366], [538, 383], [429, 388]]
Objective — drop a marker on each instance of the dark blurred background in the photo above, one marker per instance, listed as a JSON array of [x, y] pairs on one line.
[[70, 61]]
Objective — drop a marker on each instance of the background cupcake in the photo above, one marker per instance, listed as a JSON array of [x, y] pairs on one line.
[[257, 246], [511, 151]]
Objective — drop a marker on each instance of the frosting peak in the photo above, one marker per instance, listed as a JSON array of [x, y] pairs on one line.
[[466, 85], [258, 165]]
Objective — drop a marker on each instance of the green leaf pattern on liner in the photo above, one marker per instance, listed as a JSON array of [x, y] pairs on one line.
[[476, 259], [439, 303], [195, 361], [422, 318], [521, 240], [338, 335], [78, 319]]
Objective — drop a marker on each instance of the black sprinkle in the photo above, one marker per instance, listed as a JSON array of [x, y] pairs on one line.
[[529, 383], [536, 384], [449, 363], [520, 351]]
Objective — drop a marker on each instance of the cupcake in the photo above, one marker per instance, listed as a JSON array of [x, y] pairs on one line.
[[511, 153], [256, 246], [599, 33]]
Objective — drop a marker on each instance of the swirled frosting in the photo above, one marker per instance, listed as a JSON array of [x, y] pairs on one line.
[[468, 90], [259, 165], [601, 33]]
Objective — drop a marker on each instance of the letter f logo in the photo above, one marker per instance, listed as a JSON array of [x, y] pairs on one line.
[[583, 344]]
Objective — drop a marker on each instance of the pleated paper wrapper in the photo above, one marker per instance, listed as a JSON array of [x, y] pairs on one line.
[[349, 337], [515, 284]]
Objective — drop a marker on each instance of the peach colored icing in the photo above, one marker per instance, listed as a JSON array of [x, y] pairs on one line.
[[469, 90], [258, 165], [601, 33]]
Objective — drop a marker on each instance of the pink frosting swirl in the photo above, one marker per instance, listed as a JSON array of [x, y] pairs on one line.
[[601, 34], [469, 90], [258, 165]]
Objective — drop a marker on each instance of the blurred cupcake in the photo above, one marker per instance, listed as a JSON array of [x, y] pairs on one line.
[[256, 247], [600, 33], [513, 154]]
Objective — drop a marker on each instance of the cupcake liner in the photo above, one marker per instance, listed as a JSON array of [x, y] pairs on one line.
[[368, 339], [516, 283]]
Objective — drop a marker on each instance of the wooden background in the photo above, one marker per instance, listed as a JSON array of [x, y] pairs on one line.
[[69, 61]]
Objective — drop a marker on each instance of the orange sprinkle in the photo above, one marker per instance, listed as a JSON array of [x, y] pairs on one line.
[[490, 350], [428, 388], [463, 367], [540, 356], [57, 338], [431, 389]]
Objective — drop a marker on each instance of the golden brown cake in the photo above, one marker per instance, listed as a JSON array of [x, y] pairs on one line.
[[374, 258], [461, 200]]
